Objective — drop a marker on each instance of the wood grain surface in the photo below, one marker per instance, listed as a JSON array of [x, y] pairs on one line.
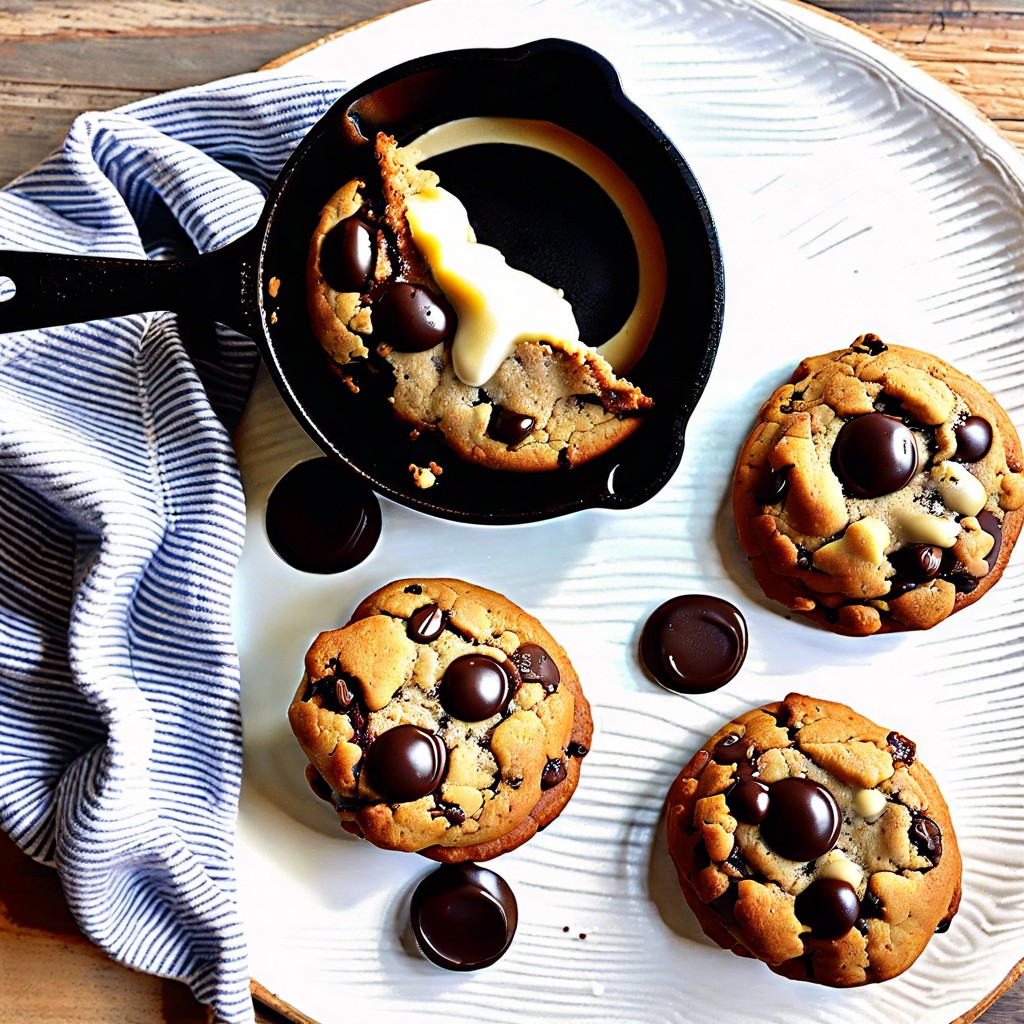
[[60, 58]]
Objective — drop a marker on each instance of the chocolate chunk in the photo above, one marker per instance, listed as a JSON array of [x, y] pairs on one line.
[[871, 905], [474, 688], [736, 862], [917, 563], [554, 773], [426, 624], [348, 255], [901, 748], [464, 917], [406, 763], [453, 813], [943, 926], [926, 836], [829, 907], [413, 588], [988, 522], [411, 319], [535, 665], [510, 427], [730, 749], [803, 819], [871, 344], [577, 749], [773, 487], [322, 518], [333, 691], [319, 784], [874, 454], [694, 643], [973, 439], [747, 801]]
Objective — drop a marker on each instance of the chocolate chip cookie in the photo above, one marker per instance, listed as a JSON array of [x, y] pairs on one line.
[[443, 720], [814, 840], [881, 490], [374, 304]]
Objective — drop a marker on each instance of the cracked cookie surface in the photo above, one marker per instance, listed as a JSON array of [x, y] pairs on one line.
[[548, 405], [880, 490], [812, 839], [442, 720]]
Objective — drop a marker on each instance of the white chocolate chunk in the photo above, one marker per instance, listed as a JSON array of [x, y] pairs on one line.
[[869, 803], [921, 528], [961, 491], [837, 865], [865, 540]]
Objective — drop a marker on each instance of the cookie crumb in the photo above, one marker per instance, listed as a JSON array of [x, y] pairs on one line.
[[422, 477], [350, 384], [384, 350], [273, 316], [273, 287], [435, 468], [414, 434]]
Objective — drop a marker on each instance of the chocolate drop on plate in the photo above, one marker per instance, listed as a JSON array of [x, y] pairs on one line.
[[917, 563], [474, 688], [829, 907], [348, 256], [510, 427], [973, 439], [988, 522], [406, 763], [411, 319], [803, 819], [426, 624], [464, 917], [747, 801], [322, 518], [535, 665], [874, 454], [694, 643]]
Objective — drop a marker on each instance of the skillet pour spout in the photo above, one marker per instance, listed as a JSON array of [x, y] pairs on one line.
[[544, 213]]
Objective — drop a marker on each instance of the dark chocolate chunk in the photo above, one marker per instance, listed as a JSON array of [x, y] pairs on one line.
[[988, 522], [829, 907], [453, 813], [474, 688], [871, 344], [871, 905], [917, 563], [730, 749], [426, 624], [772, 488], [694, 643], [901, 748], [322, 518], [414, 588], [510, 427], [926, 836], [577, 749], [333, 691], [554, 773], [406, 763], [411, 319], [973, 439], [348, 255], [943, 926], [747, 801], [464, 917], [874, 454], [535, 665], [803, 819]]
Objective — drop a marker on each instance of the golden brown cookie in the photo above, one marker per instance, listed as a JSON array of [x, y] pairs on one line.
[[372, 300], [880, 490], [814, 840], [442, 720]]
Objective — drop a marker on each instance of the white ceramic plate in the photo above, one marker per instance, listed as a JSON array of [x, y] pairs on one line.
[[852, 194]]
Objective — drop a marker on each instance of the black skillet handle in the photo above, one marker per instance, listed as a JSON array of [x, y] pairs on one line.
[[52, 289]]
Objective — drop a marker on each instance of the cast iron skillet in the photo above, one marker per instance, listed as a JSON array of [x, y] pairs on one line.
[[543, 213]]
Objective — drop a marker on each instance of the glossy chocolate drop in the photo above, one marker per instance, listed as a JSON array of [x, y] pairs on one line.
[[510, 427], [474, 688], [322, 518], [464, 917], [926, 836], [901, 748], [803, 819], [694, 643], [874, 454], [730, 749], [348, 256], [973, 439], [988, 522], [747, 801], [426, 624], [535, 665], [554, 772], [411, 319], [829, 907], [406, 763], [773, 487], [917, 563]]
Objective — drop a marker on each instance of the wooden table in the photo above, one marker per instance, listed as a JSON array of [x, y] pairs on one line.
[[58, 59]]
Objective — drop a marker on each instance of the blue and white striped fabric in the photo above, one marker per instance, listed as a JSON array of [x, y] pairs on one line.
[[122, 522]]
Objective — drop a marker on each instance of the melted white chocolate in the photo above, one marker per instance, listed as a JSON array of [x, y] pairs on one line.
[[485, 290]]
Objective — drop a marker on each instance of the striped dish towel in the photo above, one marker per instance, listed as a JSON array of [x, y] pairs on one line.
[[122, 521]]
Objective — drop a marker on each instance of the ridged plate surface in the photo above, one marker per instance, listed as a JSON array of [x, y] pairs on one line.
[[852, 194]]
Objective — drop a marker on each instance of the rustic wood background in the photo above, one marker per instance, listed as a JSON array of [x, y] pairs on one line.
[[60, 58]]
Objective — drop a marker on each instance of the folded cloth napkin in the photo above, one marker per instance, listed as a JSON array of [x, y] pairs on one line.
[[122, 522]]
